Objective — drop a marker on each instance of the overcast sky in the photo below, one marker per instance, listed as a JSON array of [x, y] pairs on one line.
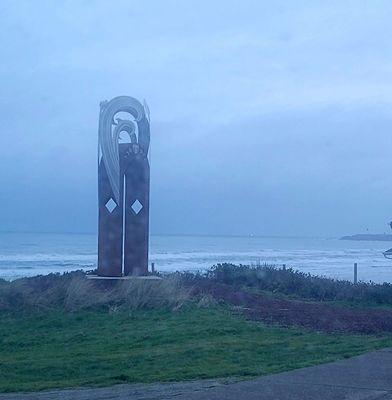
[[268, 117]]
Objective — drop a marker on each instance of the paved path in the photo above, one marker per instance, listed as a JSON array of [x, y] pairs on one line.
[[367, 377]]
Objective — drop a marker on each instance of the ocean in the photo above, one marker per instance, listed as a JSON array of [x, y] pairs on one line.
[[29, 254]]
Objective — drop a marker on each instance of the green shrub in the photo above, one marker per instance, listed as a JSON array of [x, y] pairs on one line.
[[298, 284]]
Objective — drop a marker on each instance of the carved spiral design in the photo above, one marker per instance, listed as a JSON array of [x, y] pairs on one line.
[[108, 138]]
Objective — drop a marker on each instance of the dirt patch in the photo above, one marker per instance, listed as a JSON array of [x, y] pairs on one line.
[[311, 315]]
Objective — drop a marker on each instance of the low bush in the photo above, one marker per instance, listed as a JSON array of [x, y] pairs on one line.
[[299, 284]]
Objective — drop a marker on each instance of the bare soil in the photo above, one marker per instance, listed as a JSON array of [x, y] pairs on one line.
[[317, 316]]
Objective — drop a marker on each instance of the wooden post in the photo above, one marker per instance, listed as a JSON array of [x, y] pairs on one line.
[[355, 273], [153, 268]]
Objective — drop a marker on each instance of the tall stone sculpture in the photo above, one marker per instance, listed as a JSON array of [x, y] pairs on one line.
[[123, 187]]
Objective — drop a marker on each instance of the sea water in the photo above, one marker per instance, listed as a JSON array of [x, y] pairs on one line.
[[29, 254]]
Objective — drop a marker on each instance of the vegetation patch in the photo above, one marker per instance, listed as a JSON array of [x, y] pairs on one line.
[[300, 285], [72, 291], [60, 331]]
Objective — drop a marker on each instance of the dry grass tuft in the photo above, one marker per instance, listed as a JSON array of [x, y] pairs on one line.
[[73, 291]]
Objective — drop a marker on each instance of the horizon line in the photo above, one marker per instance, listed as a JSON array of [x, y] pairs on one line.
[[184, 234]]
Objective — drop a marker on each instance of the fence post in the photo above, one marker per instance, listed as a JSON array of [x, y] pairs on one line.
[[153, 268], [355, 273]]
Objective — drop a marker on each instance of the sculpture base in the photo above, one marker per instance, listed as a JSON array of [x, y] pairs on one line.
[[125, 278]]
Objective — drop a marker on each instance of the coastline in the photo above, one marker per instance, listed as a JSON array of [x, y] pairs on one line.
[[369, 237], [23, 255]]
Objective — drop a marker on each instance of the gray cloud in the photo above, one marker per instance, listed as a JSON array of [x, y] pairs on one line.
[[266, 118]]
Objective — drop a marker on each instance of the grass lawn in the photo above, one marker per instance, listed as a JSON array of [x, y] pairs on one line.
[[57, 350]]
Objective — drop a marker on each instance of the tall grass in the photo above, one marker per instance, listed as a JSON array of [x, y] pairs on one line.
[[72, 292]]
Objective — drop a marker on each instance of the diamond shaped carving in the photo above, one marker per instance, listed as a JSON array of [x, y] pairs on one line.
[[111, 205], [136, 206]]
